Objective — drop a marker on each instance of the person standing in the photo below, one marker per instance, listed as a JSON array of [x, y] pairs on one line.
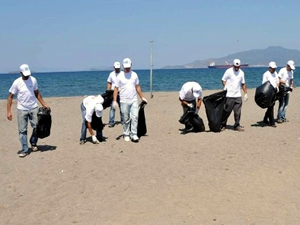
[[90, 105], [271, 76], [233, 81], [111, 80], [190, 96], [26, 89], [286, 77], [128, 86]]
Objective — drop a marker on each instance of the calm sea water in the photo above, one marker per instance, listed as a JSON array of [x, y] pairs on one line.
[[62, 84]]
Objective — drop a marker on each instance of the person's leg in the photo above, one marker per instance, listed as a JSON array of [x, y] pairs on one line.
[[111, 116], [271, 115], [237, 109], [33, 118], [99, 133], [134, 114], [22, 126], [286, 103], [280, 109], [125, 109], [83, 125], [227, 111]]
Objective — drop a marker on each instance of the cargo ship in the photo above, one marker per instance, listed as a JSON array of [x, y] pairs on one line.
[[212, 65]]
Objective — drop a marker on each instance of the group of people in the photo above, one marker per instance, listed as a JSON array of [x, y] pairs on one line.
[[233, 82], [125, 87]]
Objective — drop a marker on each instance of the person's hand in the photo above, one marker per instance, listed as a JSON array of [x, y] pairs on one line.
[[225, 88], [144, 100], [190, 105], [196, 111], [114, 104], [95, 140], [276, 89], [245, 97], [291, 89]]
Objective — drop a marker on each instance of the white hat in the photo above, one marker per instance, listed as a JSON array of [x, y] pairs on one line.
[[99, 99], [236, 62], [196, 90], [291, 64], [98, 110], [24, 69], [272, 65], [127, 63], [117, 65]]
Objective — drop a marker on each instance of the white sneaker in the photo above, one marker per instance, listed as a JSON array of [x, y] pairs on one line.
[[126, 138], [34, 148], [135, 138]]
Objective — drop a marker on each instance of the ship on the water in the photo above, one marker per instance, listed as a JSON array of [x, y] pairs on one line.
[[212, 65]]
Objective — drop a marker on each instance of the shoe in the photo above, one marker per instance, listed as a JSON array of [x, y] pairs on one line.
[[285, 120], [273, 125], [23, 154], [266, 122], [223, 128], [239, 128], [126, 138], [134, 138], [34, 148], [111, 125], [82, 142], [279, 121]]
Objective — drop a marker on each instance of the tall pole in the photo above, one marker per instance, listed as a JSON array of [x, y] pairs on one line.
[[151, 67]]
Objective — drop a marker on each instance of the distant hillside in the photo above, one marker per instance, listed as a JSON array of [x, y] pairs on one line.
[[256, 57]]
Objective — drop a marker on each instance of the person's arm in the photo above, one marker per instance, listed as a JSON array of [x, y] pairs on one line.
[[292, 83], [9, 103], [199, 103], [140, 93], [108, 86], [40, 98], [244, 87]]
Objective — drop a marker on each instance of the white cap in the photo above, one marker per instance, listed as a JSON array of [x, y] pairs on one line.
[[236, 62], [196, 90], [127, 63], [291, 64], [24, 69], [117, 65], [272, 65], [99, 99], [98, 110]]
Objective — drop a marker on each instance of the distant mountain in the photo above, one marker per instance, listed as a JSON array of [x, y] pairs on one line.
[[256, 57]]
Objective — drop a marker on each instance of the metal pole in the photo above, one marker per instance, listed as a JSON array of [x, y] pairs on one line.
[[151, 67]]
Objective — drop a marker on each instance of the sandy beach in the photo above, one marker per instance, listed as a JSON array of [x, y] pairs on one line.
[[232, 177]]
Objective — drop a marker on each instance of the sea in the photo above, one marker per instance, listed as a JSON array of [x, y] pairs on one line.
[[81, 83]]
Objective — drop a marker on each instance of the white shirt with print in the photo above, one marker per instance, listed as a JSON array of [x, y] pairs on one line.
[[272, 77], [234, 80], [126, 82]]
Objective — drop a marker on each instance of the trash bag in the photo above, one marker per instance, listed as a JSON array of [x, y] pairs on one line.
[[283, 90], [265, 95], [44, 123], [108, 98], [142, 128], [214, 106], [197, 123], [97, 123], [192, 120]]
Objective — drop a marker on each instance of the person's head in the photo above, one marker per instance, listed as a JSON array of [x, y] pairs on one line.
[[117, 67], [290, 65], [196, 90], [127, 64], [272, 67], [98, 109], [236, 64], [25, 71]]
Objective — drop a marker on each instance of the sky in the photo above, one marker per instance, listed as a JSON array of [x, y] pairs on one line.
[[77, 35]]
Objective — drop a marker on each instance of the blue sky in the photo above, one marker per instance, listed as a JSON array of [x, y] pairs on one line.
[[61, 35]]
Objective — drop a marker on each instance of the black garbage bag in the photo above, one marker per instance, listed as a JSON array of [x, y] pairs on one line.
[[283, 90], [197, 123], [108, 98], [192, 120], [97, 123], [142, 128], [265, 95], [214, 106], [44, 123]]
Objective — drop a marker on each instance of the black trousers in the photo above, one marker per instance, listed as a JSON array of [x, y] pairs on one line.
[[234, 104], [269, 115]]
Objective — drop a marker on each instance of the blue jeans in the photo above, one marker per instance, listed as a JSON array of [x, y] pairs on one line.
[[23, 117], [130, 118], [283, 104], [112, 113], [84, 126]]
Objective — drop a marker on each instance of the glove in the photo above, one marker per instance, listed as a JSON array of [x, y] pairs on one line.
[[245, 97], [225, 88], [114, 104], [277, 90], [291, 89], [95, 140], [196, 111], [144, 100], [190, 105]]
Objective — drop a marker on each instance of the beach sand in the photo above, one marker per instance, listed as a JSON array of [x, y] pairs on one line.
[[232, 177]]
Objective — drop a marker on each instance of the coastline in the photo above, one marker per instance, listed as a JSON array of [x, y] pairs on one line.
[[231, 177]]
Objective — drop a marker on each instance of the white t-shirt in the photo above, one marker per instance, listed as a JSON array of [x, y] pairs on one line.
[[126, 82], [112, 79], [89, 103], [286, 76], [272, 77], [25, 92], [186, 91], [234, 80]]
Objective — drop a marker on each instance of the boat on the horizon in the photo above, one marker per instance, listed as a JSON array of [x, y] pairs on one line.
[[212, 65]]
